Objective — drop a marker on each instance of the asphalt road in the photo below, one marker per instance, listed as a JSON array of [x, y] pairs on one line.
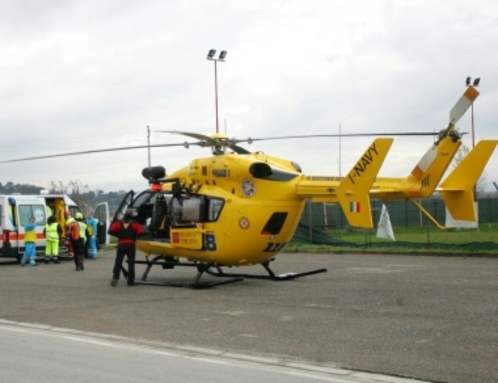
[[35, 355], [432, 318]]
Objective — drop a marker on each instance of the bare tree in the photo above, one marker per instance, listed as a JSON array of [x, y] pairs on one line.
[[74, 189]]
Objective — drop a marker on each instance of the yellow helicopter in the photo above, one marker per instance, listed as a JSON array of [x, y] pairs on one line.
[[240, 208]]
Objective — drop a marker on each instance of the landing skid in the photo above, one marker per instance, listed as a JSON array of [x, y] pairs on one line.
[[213, 270], [193, 284], [271, 275]]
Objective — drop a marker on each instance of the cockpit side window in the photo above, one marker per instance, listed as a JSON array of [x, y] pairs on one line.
[[215, 205], [145, 197]]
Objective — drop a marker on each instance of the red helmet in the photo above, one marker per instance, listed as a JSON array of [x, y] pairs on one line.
[[67, 213]]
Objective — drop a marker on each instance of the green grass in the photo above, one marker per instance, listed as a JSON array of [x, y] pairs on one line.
[[485, 233], [482, 241]]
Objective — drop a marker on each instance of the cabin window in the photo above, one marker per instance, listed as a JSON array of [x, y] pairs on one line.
[[215, 206], [159, 210], [275, 224], [146, 197], [191, 210]]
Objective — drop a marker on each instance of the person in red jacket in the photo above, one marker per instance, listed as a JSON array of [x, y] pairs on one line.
[[127, 232]]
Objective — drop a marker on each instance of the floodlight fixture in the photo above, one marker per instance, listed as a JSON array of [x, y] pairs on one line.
[[223, 54], [467, 81], [211, 54], [476, 81]]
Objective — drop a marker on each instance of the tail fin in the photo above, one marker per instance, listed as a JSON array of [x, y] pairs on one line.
[[353, 192], [456, 190]]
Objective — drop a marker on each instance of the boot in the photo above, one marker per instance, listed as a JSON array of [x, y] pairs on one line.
[[56, 260]]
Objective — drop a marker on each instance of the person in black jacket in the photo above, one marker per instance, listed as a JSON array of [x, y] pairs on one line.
[[127, 232]]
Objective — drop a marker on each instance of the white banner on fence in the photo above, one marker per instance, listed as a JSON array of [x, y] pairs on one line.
[[457, 224], [385, 229]]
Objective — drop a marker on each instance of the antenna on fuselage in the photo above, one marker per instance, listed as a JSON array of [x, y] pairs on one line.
[[148, 142]]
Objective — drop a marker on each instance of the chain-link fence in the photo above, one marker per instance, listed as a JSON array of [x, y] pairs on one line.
[[323, 223]]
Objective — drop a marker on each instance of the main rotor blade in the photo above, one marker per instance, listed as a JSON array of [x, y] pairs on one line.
[[233, 141], [250, 140], [186, 144]]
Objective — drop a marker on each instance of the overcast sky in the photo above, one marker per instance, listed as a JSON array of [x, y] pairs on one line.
[[81, 75]]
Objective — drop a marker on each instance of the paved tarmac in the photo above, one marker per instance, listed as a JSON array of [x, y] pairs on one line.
[[422, 317], [31, 354]]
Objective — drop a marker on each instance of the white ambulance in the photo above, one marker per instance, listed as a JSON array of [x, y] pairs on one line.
[[16, 209]]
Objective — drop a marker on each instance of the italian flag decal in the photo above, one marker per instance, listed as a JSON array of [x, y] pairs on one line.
[[354, 207]]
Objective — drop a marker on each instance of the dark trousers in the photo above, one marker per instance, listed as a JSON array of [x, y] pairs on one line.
[[78, 251], [129, 251]]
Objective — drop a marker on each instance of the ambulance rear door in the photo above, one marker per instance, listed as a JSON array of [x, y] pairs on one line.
[[26, 208], [102, 215]]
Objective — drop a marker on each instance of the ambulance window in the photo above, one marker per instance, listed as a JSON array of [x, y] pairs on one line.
[[28, 211], [1, 215]]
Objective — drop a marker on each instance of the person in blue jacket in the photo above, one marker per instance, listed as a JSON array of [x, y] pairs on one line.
[[92, 238], [29, 242]]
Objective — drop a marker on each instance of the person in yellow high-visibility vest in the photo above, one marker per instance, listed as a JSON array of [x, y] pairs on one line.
[[52, 234]]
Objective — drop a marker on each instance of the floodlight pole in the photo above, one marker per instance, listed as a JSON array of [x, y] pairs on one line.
[[473, 142], [216, 93], [221, 58]]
